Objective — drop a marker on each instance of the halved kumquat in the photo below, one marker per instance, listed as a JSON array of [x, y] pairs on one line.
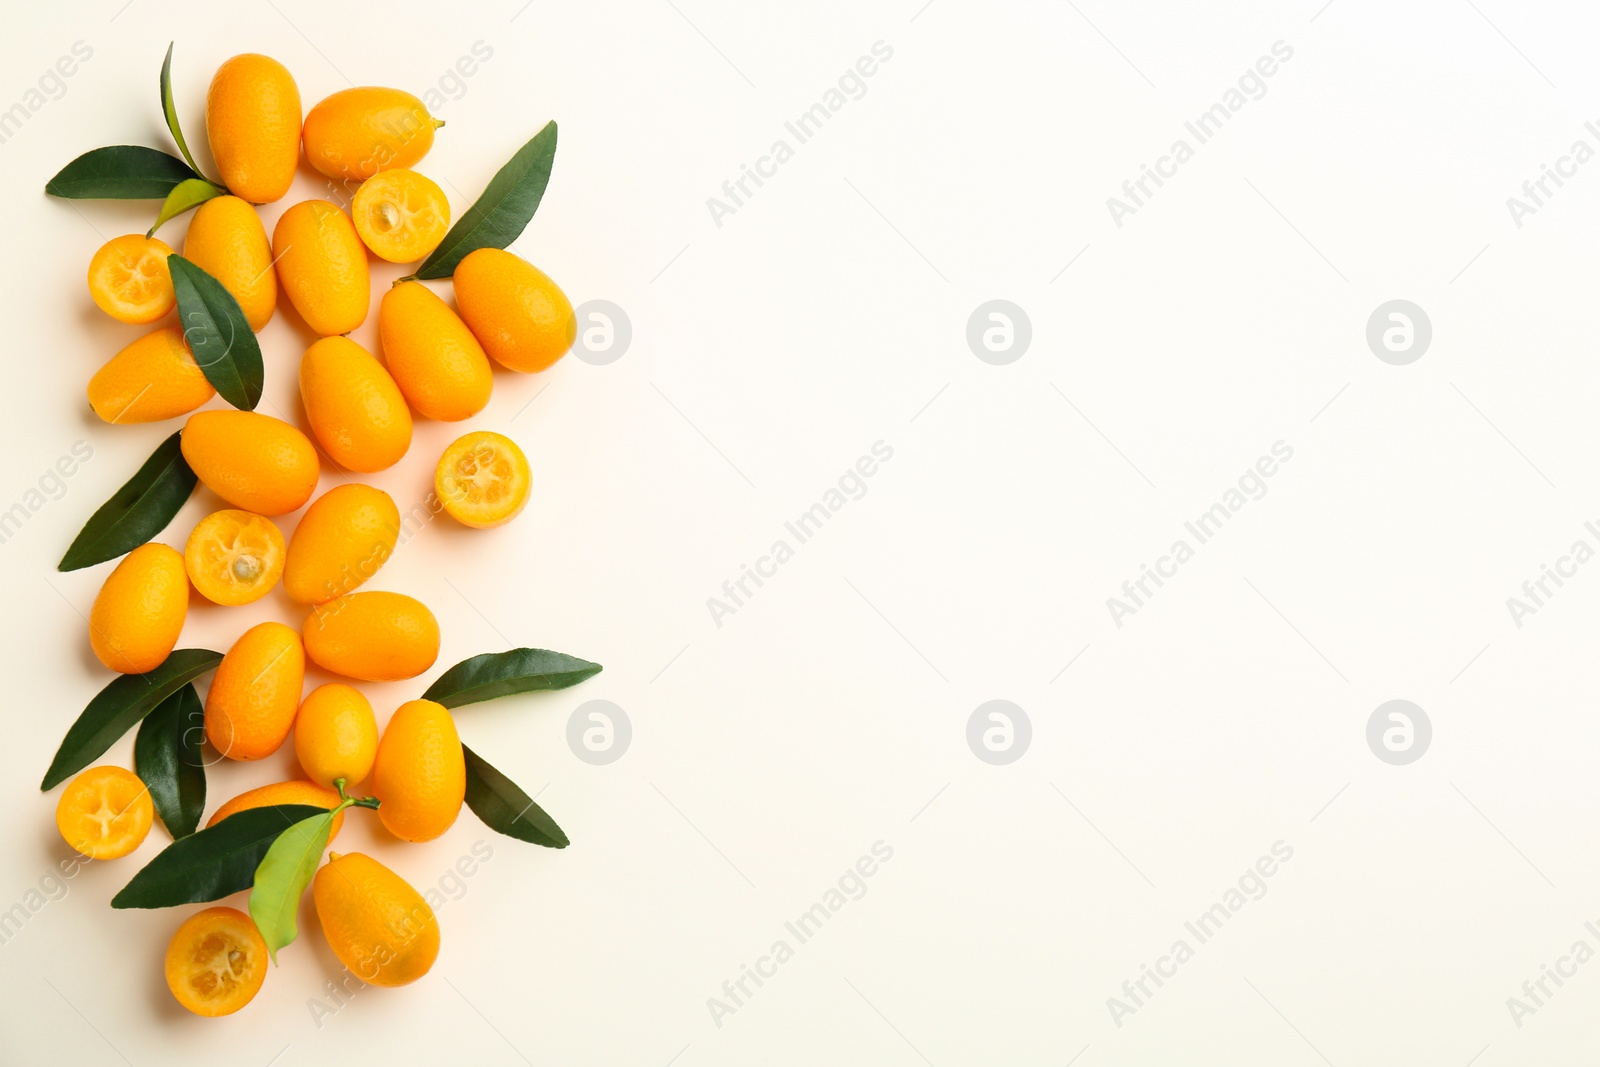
[[234, 557], [401, 215], [105, 812], [129, 280], [483, 479], [216, 961]]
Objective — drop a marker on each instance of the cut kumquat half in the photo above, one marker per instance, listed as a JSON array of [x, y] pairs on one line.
[[234, 557], [105, 812], [483, 479], [400, 215], [216, 961], [129, 279]]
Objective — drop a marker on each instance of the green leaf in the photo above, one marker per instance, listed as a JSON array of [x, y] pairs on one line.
[[502, 212], [114, 710], [499, 674], [282, 879], [503, 806], [120, 172], [185, 196], [166, 754], [170, 110], [219, 335], [136, 512], [211, 863], [119, 706]]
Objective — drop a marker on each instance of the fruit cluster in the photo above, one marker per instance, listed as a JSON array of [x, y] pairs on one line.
[[436, 364]]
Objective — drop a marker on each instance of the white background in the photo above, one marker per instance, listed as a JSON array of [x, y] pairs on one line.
[[830, 711]]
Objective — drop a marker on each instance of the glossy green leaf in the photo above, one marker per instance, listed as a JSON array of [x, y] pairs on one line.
[[211, 863], [166, 754], [503, 806], [219, 335], [170, 110], [501, 214], [120, 172], [117, 707], [282, 877], [499, 674], [185, 196], [136, 512]]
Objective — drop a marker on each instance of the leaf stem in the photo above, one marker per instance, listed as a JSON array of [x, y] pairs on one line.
[[352, 802]]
